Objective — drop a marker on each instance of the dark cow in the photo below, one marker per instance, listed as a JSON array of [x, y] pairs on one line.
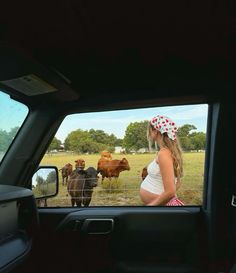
[[66, 172], [112, 168], [144, 173], [80, 164], [80, 186]]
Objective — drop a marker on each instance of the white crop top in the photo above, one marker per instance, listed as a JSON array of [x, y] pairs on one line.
[[153, 181]]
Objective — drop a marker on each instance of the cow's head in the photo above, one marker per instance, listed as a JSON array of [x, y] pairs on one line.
[[106, 155], [91, 177], [125, 164], [144, 173], [79, 164], [68, 166]]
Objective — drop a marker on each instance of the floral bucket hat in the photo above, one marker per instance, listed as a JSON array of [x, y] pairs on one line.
[[165, 125]]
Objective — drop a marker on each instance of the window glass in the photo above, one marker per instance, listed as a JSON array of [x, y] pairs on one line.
[[115, 144], [12, 116]]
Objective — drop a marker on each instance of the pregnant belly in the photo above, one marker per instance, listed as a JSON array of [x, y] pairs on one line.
[[147, 196]]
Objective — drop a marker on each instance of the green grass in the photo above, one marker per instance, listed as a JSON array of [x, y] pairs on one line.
[[128, 184]]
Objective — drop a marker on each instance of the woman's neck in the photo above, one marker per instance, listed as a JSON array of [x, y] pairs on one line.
[[161, 146]]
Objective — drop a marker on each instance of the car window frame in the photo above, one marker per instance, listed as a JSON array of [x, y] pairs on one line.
[[207, 157]]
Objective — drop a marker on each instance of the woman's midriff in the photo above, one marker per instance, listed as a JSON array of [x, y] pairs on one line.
[[147, 196]]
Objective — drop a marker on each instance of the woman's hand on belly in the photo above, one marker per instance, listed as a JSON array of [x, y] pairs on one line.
[[162, 199], [152, 203], [147, 197]]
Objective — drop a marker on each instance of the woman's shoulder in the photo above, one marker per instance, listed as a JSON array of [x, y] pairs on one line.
[[163, 153]]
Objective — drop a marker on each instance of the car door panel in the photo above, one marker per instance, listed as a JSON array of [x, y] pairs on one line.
[[140, 240]]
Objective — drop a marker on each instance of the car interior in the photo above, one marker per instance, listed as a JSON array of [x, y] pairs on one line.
[[64, 57]]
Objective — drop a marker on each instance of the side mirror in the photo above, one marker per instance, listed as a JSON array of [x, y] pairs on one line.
[[45, 182]]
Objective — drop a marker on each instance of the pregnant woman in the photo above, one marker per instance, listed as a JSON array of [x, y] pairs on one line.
[[165, 171]]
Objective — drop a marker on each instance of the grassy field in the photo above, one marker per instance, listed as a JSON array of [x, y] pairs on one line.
[[127, 192]]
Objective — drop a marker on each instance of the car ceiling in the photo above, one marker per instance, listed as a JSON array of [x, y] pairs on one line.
[[103, 51]]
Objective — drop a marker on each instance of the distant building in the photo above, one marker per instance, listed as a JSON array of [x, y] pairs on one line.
[[62, 148], [143, 150], [119, 150]]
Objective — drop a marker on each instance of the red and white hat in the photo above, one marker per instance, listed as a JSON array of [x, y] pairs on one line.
[[165, 125]]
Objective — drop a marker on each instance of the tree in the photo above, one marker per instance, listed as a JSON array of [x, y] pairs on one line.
[[136, 135], [51, 178], [4, 141], [39, 180], [186, 143], [92, 141], [184, 131], [90, 146], [110, 149], [111, 140], [55, 144], [74, 139], [13, 133], [41, 185], [198, 140], [119, 142], [98, 136], [6, 138]]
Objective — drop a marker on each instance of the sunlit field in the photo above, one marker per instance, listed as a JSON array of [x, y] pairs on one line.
[[125, 191]]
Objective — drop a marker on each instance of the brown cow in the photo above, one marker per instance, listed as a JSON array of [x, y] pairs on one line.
[[80, 164], [66, 172], [80, 186], [112, 168], [106, 155], [144, 173]]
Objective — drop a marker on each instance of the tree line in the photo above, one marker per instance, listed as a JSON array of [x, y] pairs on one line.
[[136, 137], [6, 138], [94, 141]]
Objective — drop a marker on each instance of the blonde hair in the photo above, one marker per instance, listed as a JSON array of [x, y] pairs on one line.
[[174, 147]]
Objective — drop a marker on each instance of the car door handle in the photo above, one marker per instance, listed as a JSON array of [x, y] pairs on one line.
[[98, 226]]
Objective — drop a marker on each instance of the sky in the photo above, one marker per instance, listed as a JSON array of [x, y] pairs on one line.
[[116, 121], [13, 114]]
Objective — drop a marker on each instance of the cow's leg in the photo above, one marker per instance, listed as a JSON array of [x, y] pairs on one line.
[[45, 202], [87, 201], [72, 202], [87, 195], [62, 180], [66, 180], [78, 201]]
